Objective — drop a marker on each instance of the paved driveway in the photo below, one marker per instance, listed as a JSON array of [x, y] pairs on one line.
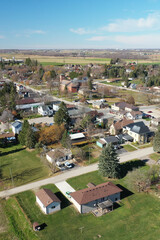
[[64, 187]]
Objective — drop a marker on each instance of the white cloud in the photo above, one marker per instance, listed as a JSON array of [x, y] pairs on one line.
[[99, 38], [134, 41], [151, 22], [140, 41], [81, 31]]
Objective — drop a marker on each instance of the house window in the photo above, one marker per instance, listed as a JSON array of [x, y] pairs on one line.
[[116, 199], [53, 207]]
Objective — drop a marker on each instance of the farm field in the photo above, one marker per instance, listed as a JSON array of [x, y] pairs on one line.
[[25, 166], [51, 60]]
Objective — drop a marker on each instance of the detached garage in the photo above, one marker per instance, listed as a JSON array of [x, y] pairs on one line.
[[48, 201]]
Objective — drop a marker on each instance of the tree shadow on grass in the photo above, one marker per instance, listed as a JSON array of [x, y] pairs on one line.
[[129, 166], [25, 173], [64, 201], [11, 152], [125, 192]]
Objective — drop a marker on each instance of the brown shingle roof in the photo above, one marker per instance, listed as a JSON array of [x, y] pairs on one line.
[[134, 113], [6, 135], [93, 193], [122, 123], [46, 196]]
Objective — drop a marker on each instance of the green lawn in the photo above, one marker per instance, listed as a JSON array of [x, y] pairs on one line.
[[129, 148], [137, 217], [25, 166], [155, 156], [18, 226]]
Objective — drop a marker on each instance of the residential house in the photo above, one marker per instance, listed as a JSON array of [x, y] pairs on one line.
[[27, 103], [88, 199], [124, 106], [59, 155], [124, 138], [70, 86], [155, 122], [102, 142], [45, 110], [56, 105], [99, 104], [117, 127], [139, 131], [48, 201], [134, 115], [16, 127]]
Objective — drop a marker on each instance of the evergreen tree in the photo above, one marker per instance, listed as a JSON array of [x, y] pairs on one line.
[[62, 116], [156, 141], [90, 85], [23, 133], [66, 141], [30, 138], [109, 162]]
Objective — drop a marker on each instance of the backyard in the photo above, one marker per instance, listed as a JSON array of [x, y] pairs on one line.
[[136, 217], [19, 166]]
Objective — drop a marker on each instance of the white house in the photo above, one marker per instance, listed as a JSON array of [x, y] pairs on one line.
[[16, 127], [56, 105], [88, 199], [45, 110], [134, 115], [48, 201], [59, 155]]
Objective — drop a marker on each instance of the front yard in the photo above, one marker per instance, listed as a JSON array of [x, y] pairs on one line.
[[23, 165], [137, 217]]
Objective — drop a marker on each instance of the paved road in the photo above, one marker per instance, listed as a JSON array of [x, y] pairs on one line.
[[41, 120], [142, 153]]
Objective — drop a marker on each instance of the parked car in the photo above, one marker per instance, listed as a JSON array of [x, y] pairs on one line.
[[69, 165], [150, 112], [68, 194]]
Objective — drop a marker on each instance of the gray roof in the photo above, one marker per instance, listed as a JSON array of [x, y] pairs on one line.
[[111, 139], [138, 127], [17, 124]]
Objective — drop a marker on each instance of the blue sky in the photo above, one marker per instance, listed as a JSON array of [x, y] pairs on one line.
[[79, 24]]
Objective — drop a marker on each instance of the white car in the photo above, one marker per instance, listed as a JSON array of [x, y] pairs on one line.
[[69, 165]]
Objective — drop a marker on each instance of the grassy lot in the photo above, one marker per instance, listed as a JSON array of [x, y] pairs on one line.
[[25, 166], [113, 83], [141, 146], [18, 224], [129, 148], [137, 217], [155, 156], [138, 96]]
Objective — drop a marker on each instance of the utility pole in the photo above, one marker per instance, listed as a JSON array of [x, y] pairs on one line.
[[11, 177], [89, 155]]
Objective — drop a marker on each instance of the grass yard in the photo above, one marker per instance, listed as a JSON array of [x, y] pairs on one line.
[[129, 148], [137, 217], [155, 156], [25, 166]]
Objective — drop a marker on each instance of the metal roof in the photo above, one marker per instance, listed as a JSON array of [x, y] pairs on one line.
[[76, 136]]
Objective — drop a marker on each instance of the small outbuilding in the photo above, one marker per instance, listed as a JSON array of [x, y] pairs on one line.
[[48, 201], [36, 226]]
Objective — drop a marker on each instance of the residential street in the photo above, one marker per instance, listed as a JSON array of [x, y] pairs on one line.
[[139, 154]]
